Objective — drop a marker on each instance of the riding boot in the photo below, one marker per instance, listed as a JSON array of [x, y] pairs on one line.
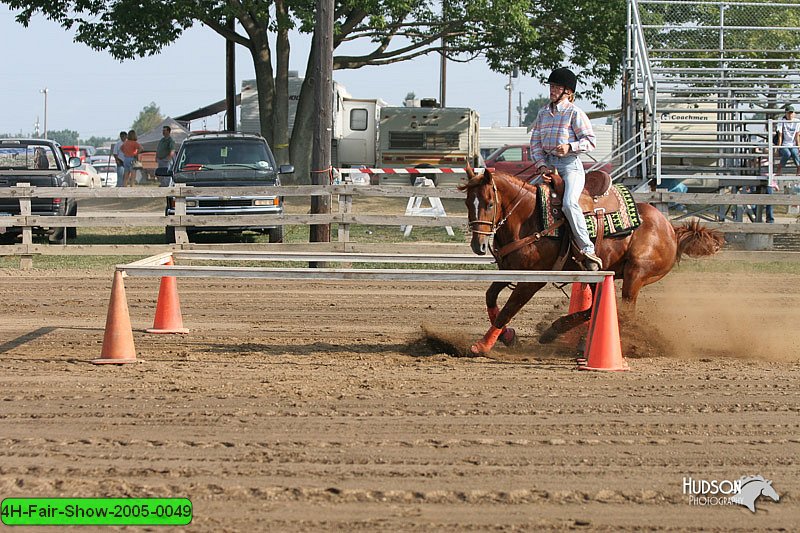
[[592, 262]]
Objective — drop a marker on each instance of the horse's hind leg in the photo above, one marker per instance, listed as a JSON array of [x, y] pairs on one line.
[[507, 336], [564, 324], [519, 297]]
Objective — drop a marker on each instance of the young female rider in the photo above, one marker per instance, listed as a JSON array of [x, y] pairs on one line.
[[560, 133]]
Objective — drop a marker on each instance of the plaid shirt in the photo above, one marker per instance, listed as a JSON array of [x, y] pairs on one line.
[[566, 124]]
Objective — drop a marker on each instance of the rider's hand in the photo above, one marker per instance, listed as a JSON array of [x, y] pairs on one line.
[[562, 149], [544, 171]]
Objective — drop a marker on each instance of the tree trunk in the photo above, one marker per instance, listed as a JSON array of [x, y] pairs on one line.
[[300, 147], [280, 130], [265, 83]]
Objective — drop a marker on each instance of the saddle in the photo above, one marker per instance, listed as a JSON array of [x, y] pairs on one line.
[[595, 198]]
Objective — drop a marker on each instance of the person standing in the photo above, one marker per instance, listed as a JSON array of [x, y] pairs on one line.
[[561, 132], [116, 151], [788, 130], [165, 151], [130, 152]]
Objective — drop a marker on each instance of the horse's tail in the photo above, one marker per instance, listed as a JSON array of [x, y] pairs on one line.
[[696, 240]]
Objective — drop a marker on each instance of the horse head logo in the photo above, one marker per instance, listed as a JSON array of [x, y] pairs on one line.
[[751, 488]]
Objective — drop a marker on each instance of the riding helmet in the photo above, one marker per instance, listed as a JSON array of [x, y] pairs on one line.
[[564, 77]]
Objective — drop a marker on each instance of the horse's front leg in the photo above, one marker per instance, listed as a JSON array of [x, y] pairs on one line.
[[507, 336], [519, 297], [564, 324]]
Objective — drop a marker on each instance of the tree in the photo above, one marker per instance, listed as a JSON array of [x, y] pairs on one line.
[[411, 95], [149, 117], [532, 109], [64, 137], [533, 36], [98, 141]]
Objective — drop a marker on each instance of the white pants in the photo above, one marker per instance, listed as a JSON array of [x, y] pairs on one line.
[[570, 168]]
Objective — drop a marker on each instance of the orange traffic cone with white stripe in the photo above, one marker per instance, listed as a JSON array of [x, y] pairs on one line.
[[168, 309], [604, 348], [118, 347]]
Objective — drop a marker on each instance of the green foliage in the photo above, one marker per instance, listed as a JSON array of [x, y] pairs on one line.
[[64, 137], [534, 36], [532, 109], [148, 118], [97, 141]]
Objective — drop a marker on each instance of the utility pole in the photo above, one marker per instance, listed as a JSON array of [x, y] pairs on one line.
[[443, 64], [323, 119], [230, 77], [44, 91], [510, 89]]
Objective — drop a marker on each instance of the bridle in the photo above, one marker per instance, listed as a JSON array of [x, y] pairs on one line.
[[519, 243], [496, 225], [491, 222]]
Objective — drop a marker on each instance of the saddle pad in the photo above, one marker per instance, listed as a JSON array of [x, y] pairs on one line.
[[615, 224]]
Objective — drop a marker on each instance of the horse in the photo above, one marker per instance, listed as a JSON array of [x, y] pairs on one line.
[[505, 208], [751, 488]]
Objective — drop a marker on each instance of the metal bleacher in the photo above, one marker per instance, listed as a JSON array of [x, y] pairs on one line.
[[704, 82]]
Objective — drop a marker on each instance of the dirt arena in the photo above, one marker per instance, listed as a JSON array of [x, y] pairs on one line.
[[319, 407]]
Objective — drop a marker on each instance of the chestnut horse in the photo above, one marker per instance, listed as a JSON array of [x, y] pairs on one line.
[[506, 208]]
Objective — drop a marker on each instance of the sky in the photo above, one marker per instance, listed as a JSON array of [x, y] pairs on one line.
[[90, 92]]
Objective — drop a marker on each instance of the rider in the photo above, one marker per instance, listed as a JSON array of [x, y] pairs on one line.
[[560, 133]]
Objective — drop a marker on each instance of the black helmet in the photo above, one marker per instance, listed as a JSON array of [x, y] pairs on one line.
[[564, 77]]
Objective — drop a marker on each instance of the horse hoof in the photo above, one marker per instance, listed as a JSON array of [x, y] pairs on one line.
[[509, 337], [548, 336], [477, 350]]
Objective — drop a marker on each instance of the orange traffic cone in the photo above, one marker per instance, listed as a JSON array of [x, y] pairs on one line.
[[604, 348], [168, 309], [581, 298], [118, 345]]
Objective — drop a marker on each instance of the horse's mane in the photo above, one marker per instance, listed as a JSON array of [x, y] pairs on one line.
[[745, 480], [479, 180]]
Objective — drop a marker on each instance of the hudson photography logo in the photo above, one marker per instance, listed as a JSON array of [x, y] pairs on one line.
[[743, 491]]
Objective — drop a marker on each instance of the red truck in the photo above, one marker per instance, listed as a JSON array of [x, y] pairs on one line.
[[515, 159]]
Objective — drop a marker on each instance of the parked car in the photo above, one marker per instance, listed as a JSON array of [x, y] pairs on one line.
[[101, 159], [515, 159], [225, 159], [86, 176], [41, 163], [107, 172], [75, 151]]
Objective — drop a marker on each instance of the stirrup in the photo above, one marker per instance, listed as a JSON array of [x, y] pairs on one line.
[[592, 262]]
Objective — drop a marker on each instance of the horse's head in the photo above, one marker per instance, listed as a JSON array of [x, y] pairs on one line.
[[482, 208], [769, 492]]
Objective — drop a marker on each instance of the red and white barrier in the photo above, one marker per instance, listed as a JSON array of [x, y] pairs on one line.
[[365, 170]]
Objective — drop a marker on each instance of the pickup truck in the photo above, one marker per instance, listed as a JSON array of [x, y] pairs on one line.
[[41, 163], [515, 159], [226, 159]]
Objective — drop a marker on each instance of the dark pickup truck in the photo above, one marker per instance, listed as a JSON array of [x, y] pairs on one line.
[[40, 163], [226, 159]]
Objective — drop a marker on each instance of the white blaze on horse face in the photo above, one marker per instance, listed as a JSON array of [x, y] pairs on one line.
[[476, 204]]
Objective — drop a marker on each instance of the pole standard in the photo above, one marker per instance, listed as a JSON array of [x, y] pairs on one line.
[[44, 91]]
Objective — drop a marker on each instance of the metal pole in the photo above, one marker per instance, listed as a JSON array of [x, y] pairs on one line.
[[44, 91]]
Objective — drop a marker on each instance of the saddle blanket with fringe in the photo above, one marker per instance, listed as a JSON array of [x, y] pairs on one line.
[[616, 224]]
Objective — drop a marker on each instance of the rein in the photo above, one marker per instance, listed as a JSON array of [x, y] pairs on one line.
[[515, 245]]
